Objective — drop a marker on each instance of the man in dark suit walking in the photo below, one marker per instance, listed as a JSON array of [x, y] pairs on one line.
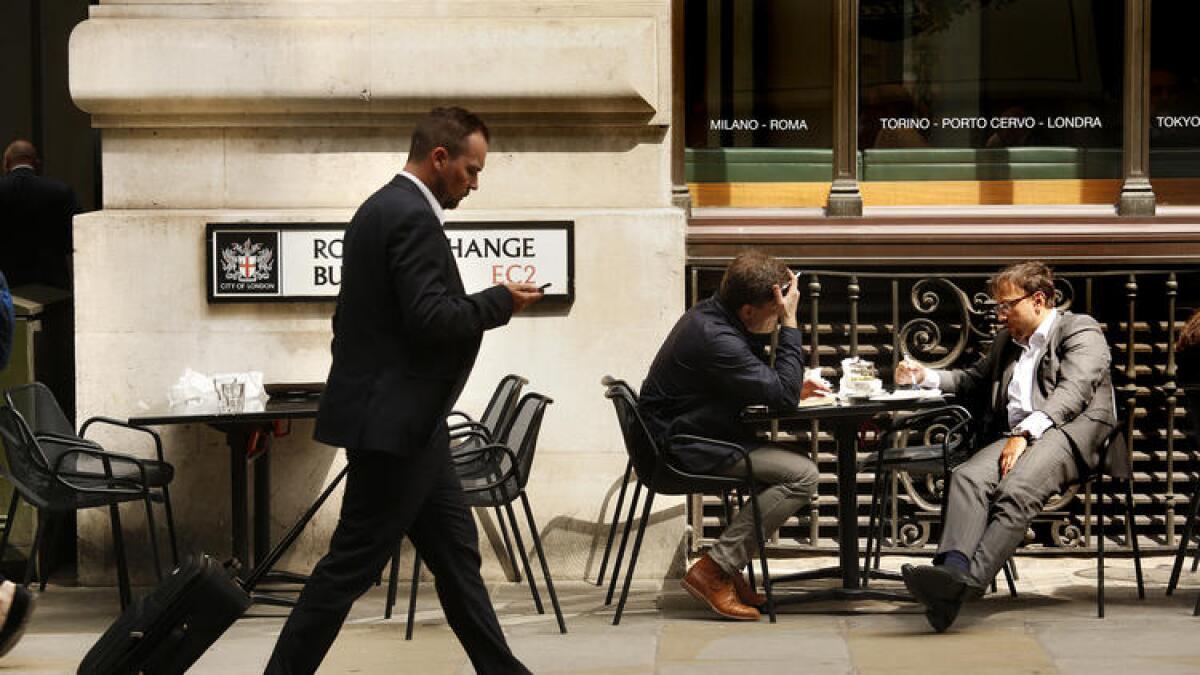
[[35, 221], [405, 336]]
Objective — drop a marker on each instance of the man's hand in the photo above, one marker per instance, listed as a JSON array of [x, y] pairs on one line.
[[909, 372], [1013, 449], [523, 295], [812, 388], [789, 302]]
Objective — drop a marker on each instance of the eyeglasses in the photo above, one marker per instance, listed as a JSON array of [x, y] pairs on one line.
[[1006, 306]]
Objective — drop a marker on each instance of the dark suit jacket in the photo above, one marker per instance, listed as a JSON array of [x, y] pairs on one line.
[[708, 369], [35, 229], [1072, 386], [405, 334]]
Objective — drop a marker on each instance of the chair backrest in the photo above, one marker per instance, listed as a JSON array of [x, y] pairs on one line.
[[40, 410], [640, 445], [28, 469], [503, 404], [1116, 456], [521, 434]]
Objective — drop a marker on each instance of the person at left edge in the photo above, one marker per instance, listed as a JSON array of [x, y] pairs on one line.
[[405, 336]]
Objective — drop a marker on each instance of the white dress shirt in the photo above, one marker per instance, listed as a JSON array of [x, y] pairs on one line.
[[433, 203], [1021, 415]]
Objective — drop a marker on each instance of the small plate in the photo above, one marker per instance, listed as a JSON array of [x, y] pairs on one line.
[[907, 395], [294, 390]]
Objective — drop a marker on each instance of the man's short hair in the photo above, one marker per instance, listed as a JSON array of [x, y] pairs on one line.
[[20, 151], [447, 128], [1028, 277], [750, 280]]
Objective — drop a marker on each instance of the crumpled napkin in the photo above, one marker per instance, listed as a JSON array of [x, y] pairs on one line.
[[195, 388]]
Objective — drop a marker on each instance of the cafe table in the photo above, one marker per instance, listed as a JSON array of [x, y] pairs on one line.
[[844, 417], [248, 433]]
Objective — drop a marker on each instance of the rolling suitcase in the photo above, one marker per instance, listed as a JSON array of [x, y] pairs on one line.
[[166, 631]]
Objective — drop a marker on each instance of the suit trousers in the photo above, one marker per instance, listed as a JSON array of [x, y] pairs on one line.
[[386, 498], [787, 481], [986, 516]]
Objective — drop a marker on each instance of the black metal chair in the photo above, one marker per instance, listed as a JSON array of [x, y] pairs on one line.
[[495, 475], [608, 381], [1192, 399], [57, 476], [1117, 470], [943, 442], [46, 419], [471, 434], [658, 476]]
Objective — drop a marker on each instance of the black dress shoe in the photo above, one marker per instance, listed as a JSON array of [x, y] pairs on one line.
[[940, 583], [941, 614], [907, 573]]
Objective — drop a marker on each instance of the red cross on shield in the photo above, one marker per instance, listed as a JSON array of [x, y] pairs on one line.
[[247, 264]]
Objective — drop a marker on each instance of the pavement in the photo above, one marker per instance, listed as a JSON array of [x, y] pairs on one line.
[[1051, 627]]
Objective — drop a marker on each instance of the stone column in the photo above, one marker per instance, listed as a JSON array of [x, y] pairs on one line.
[[844, 196], [1137, 195]]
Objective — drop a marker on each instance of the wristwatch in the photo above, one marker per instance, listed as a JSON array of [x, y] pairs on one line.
[[1022, 433]]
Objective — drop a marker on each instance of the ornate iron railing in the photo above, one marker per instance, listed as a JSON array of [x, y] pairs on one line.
[[944, 319]]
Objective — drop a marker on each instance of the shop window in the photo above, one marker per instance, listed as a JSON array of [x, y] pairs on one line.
[[1174, 102], [758, 96], [991, 90]]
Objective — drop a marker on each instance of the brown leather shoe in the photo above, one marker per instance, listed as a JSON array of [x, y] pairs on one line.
[[708, 583], [747, 596]]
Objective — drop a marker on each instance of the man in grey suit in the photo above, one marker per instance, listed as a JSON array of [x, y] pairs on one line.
[[1046, 404]]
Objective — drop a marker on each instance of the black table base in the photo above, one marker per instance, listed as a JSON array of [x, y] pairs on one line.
[[844, 421], [789, 597], [262, 571]]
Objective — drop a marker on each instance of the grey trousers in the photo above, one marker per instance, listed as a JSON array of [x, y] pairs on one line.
[[986, 516], [786, 480]]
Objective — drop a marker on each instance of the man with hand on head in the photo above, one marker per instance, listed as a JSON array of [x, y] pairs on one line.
[[405, 336], [1044, 404], [711, 366]]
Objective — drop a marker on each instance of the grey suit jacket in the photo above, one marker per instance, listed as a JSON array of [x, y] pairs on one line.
[[1073, 388]]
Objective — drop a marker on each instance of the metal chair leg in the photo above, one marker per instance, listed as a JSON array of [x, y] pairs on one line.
[[508, 547], [412, 596], [1133, 541], [885, 508], [749, 562], [871, 514], [45, 557], [516, 530], [537, 546], [393, 573], [166, 495], [114, 518], [1100, 547], [8, 522], [762, 557], [1008, 578], [633, 503], [616, 519], [637, 546], [35, 551], [151, 528], [1185, 540]]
